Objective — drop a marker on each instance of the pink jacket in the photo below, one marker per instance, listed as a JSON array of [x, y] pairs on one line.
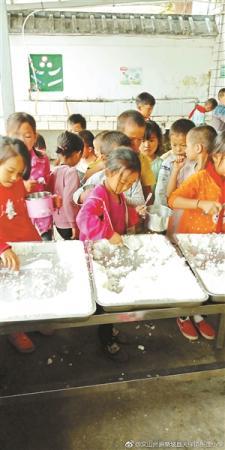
[[94, 220]]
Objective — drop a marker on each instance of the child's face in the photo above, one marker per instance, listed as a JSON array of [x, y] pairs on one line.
[[208, 106], [150, 146], [11, 170], [74, 159], [191, 149], [121, 180], [26, 134], [75, 128], [135, 133], [97, 147], [146, 110], [222, 99], [219, 162], [178, 143], [86, 151]]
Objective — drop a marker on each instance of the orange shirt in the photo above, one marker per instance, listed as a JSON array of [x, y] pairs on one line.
[[199, 186]]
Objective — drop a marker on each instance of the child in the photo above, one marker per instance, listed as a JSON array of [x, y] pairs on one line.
[[200, 142], [105, 215], [108, 142], [178, 133], [76, 123], [152, 147], [88, 159], [15, 225], [197, 115], [145, 103], [202, 197], [64, 180], [132, 124], [218, 117], [23, 126]]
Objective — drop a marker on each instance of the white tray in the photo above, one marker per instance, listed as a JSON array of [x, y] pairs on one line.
[[53, 283], [149, 275], [205, 254]]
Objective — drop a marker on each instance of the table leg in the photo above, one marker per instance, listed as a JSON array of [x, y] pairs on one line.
[[221, 332]]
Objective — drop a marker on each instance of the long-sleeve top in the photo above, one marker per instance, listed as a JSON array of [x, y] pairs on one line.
[[101, 216], [40, 171], [64, 180], [218, 118], [134, 195], [163, 179], [15, 225], [203, 185], [197, 115]]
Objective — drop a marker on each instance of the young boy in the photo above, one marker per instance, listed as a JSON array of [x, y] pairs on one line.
[[218, 118], [178, 134], [145, 103], [76, 123], [132, 123], [197, 115]]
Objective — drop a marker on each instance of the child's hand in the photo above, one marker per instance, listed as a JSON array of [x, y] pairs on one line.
[[73, 234], [179, 163], [10, 260], [141, 210], [116, 239], [209, 207], [29, 184]]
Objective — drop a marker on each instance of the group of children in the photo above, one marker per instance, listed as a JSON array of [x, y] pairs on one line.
[[101, 184]]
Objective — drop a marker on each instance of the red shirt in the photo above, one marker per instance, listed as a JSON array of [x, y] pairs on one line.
[[15, 224]]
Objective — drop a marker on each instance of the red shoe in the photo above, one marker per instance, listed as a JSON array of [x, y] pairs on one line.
[[21, 342], [206, 330], [187, 329]]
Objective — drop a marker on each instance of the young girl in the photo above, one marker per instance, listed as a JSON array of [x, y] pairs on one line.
[[23, 126], [152, 147], [105, 214], [64, 181], [202, 196], [15, 225]]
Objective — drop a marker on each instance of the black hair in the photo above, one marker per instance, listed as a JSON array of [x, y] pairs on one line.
[[112, 140], [219, 144], [221, 93], [77, 118], [153, 128], [123, 157], [212, 102], [40, 142], [203, 134], [145, 99], [69, 143], [131, 115], [10, 148], [181, 126], [87, 137]]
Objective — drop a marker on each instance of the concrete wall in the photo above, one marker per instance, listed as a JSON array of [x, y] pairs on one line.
[[175, 70]]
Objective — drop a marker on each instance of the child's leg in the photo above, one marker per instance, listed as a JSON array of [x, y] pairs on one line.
[[47, 236], [65, 233]]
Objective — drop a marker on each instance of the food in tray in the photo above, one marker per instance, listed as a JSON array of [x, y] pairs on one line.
[[150, 269], [206, 254]]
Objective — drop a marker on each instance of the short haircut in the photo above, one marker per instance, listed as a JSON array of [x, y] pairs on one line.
[[123, 157], [10, 148], [112, 140], [15, 120], [213, 102], [153, 128], [219, 144], [87, 137], [69, 143], [145, 99], [181, 126], [221, 93], [130, 116], [77, 118], [203, 134]]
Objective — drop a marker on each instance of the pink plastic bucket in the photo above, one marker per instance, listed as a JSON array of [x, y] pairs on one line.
[[39, 204]]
